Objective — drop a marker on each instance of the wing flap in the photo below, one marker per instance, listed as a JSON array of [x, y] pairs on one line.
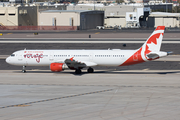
[[74, 64], [71, 63]]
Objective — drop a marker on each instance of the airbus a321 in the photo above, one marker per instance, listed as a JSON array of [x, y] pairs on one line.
[[59, 60]]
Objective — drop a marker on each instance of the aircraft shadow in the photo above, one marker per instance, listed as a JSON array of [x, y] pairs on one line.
[[119, 72], [29, 71], [99, 72]]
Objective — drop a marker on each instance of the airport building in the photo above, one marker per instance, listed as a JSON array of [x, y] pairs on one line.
[[77, 18], [109, 10], [18, 16], [131, 19], [71, 19], [162, 7], [154, 19], [166, 19]]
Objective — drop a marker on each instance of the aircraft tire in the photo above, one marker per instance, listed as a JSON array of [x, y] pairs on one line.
[[78, 71], [90, 70]]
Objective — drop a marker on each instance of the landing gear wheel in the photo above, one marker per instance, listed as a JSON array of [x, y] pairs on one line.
[[78, 71], [24, 69], [90, 70]]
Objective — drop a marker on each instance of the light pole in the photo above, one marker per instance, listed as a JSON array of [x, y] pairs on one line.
[[166, 5], [94, 4]]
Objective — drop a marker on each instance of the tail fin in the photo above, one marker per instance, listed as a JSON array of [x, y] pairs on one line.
[[153, 43], [150, 49]]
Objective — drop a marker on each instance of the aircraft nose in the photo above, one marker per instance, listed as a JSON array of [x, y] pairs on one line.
[[8, 60]]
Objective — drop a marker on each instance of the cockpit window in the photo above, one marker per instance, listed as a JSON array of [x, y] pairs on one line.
[[12, 55]]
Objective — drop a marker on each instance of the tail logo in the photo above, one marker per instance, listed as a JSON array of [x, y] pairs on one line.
[[153, 44]]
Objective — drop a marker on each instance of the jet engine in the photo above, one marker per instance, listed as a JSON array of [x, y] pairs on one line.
[[58, 67]]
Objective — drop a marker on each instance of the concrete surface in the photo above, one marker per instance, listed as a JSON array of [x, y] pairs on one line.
[[114, 95]]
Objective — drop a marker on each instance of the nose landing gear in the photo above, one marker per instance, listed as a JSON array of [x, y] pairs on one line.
[[24, 69]]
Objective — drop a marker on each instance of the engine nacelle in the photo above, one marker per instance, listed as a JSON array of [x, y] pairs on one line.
[[57, 67]]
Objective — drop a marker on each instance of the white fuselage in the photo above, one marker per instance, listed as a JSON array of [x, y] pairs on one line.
[[114, 57]]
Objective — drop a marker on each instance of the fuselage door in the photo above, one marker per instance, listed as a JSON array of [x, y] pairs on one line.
[[91, 56], [20, 56], [51, 57]]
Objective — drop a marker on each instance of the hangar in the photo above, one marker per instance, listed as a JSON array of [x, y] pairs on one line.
[[74, 19], [162, 18], [18, 16]]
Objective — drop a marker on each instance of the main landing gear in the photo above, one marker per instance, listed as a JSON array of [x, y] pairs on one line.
[[90, 70], [78, 71], [24, 69]]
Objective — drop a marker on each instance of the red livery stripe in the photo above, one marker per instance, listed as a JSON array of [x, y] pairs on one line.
[[160, 28]]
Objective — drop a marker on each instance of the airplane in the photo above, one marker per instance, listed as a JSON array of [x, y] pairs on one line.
[[59, 60]]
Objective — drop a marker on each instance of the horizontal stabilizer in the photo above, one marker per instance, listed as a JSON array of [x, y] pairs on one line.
[[156, 55], [152, 56]]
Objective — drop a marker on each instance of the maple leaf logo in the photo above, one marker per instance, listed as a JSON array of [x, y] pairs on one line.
[[154, 44]]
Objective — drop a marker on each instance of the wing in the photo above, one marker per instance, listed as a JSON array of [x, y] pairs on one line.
[[75, 64]]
